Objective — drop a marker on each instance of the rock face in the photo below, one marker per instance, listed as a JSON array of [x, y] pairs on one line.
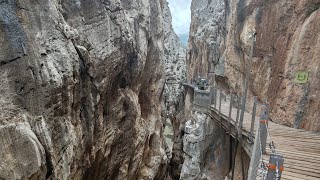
[[175, 63], [208, 149], [173, 114], [19, 145], [204, 147], [89, 75], [287, 41], [206, 40]]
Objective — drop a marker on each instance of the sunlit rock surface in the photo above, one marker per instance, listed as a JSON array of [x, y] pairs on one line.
[[206, 40], [287, 41]]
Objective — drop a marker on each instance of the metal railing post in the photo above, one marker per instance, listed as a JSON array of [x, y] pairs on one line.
[[246, 82], [212, 95], [263, 128], [275, 167], [215, 97], [230, 113], [229, 150], [220, 99], [254, 109], [238, 110], [230, 108], [255, 158]]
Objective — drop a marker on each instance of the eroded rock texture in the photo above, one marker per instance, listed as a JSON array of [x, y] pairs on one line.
[[89, 77], [287, 41], [175, 62], [175, 65], [205, 147], [173, 102], [206, 40]]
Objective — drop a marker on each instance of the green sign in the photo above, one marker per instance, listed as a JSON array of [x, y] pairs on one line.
[[301, 77]]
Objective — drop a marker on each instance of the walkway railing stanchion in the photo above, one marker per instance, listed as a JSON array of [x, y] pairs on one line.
[[229, 150], [238, 110], [255, 159], [220, 99], [263, 128], [212, 95], [254, 109], [230, 108], [230, 112], [275, 167], [215, 97]]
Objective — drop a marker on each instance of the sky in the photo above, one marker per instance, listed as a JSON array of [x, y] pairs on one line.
[[181, 16]]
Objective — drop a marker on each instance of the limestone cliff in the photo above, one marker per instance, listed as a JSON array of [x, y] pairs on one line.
[[287, 41], [175, 63], [89, 77], [173, 114], [205, 149], [206, 40]]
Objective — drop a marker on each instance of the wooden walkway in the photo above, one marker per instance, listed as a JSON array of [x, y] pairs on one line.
[[300, 148]]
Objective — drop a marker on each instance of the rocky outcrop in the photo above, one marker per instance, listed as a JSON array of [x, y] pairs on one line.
[[90, 76], [206, 40], [173, 106], [20, 146], [287, 41], [205, 147], [175, 63]]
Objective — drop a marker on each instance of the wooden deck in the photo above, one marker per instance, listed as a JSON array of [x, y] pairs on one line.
[[300, 148]]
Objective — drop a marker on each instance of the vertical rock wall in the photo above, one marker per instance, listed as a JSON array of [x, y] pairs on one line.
[[89, 77], [175, 65], [173, 102], [205, 149], [287, 42], [206, 40]]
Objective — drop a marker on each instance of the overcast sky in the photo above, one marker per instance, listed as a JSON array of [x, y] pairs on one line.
[[181, 15]]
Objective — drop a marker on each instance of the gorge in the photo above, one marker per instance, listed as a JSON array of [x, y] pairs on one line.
[[89, 87]]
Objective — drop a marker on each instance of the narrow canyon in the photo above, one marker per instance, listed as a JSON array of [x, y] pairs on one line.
[[97, 89]]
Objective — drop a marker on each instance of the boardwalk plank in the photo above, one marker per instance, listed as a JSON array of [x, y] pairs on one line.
[[300, 148]]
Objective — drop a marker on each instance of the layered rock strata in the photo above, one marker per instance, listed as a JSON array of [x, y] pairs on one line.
[[89, 77], [175, 65], [287, 42], [173, 102], [205, 147], [206, 40]]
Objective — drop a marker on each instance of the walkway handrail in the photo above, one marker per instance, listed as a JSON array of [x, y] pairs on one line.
[[213, 97], [276, 160]]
